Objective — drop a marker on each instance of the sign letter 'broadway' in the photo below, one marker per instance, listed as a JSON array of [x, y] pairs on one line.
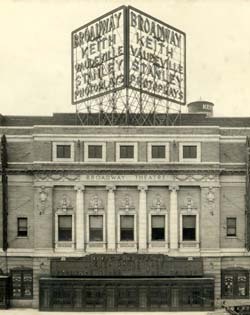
[[127, 48]]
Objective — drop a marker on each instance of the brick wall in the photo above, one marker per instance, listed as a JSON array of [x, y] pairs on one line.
[[212, 267], [110, 151], [210, 152], [20, 205], [233, 205], [42, 150], [232, 152], [44, 221], [20, 151], [210, 218], [142, 151], [41, 267]]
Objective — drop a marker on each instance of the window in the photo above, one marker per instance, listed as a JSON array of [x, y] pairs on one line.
[[188, 227], [126, 151], [158, 152], [234, 283], [127, 228], [65, 228], [231, 226], [22, 227], [189, 152], [158, 227], [63, 151], [22, 283], [96, 228], [95, 151]]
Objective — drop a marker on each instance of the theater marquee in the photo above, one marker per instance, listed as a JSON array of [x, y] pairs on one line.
[[127, 48]]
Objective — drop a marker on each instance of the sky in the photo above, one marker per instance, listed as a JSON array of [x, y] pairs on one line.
[[35, 50]]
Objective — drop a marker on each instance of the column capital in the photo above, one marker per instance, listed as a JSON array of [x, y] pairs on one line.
[[174, 187], [110, 187], [79, 187], [143, 187]]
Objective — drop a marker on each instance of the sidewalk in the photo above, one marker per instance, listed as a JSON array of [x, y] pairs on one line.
[[28, 311]]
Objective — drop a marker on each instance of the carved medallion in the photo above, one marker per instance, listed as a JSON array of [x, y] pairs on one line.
[[95, 204], [157, 203], [42, 200], [127, 204], [65, 204]]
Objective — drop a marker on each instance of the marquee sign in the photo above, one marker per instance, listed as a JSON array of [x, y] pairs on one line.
[[145, 265], [127, 48]]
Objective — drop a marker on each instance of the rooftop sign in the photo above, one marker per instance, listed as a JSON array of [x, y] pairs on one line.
[[127, 48]]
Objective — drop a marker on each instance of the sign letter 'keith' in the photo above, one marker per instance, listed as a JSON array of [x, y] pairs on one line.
[[127, 48]]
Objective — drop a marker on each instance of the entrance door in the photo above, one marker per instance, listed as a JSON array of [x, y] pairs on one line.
[[94, 298], [126, 298], [175, 296], [158, 298]]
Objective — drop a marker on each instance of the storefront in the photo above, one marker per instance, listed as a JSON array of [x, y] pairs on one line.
[[133, 282]]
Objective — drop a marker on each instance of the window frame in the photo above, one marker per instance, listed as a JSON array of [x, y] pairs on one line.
[[235, 273], [54, 152], [129, 160], [156, 160], [86, 152], [227, 227], [93, 213], [130, 229], [190, 160], [64, 215], [18, 226], [22, 285], [64, 245], [89, 228], [151, 227], [195, 228], [134, 228], [192, 243]]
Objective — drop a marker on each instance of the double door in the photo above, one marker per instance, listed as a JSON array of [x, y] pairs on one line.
[[121, 294]]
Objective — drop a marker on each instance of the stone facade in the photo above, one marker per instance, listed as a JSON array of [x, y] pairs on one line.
[[210, 189]]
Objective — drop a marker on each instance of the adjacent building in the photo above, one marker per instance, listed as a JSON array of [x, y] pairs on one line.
[[124, 217]]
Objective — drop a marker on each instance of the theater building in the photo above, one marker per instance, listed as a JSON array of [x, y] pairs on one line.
[[97, 217]]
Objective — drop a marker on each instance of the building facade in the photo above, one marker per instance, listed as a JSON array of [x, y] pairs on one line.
[[124, 217]]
